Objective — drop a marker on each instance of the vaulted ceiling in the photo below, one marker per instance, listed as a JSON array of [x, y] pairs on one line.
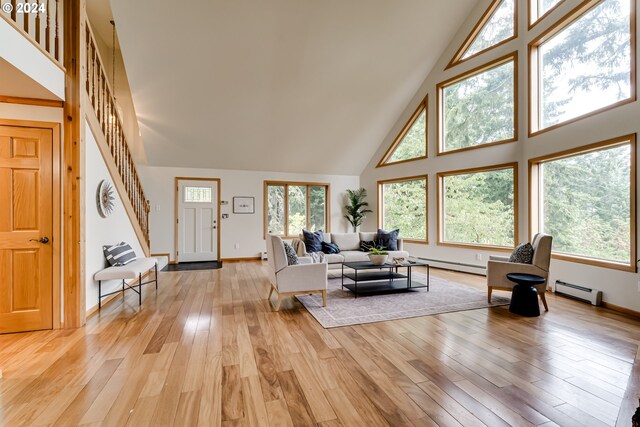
[[280, 85]]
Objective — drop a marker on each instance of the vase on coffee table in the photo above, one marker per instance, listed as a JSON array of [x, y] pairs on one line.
[[378, 259]]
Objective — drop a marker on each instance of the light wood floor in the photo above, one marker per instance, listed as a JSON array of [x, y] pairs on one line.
[[207, 350]]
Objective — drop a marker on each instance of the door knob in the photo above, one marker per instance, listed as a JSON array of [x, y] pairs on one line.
[[42, 240]]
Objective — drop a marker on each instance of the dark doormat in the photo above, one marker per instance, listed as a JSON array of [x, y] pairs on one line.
[[189, 266]]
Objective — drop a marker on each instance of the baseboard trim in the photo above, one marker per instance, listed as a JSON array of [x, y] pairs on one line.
[[110, 298], [240, 259], [619, 309]]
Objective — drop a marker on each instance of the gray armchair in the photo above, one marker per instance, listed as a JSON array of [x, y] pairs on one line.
[[499, 267], [304, 278]]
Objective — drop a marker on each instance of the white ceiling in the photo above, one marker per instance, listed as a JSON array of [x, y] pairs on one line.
[[280, 85]]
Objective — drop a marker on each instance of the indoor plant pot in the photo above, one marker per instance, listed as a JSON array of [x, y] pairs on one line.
[[378, 256], [378, 259]]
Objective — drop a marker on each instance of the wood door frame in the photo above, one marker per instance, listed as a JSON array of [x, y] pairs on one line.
[[56, 209], [176, 244]]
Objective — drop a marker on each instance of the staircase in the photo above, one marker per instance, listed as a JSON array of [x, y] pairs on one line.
[[118, 155]]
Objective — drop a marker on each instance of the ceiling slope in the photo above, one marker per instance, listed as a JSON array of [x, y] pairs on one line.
[[284, 85]]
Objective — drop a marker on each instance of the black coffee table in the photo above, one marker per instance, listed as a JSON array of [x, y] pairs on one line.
[[369, 279], [524, 299]]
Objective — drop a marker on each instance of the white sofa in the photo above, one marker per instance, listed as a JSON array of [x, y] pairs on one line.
[[349, 244]]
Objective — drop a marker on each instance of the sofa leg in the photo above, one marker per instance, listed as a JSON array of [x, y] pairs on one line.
[[324, 298], [544, 301], [277, 307], [490, 289], [270, 293]]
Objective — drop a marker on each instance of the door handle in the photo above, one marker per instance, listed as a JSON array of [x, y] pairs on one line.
[[42, 240]]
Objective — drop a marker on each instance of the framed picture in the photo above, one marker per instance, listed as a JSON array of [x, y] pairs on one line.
[[244, 205]]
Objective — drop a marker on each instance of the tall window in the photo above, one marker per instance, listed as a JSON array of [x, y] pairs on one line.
[[583, 65], [478, 107], [496, 26], [585, 200], [402, 204], [411, 143], [478, 207], [291, 207], [540, 8]]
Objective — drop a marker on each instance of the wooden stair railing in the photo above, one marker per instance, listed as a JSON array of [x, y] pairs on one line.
[[104, 105], [38, 20]]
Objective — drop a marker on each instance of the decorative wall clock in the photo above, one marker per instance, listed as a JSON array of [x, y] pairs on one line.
[[105, 198]]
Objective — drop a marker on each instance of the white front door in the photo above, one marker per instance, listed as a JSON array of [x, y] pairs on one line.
[[197, 220]]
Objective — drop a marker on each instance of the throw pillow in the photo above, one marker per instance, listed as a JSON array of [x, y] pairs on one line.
[[523, 254], [330, 248], [313, 240], [389, 239], [292, 256], [119, 255], [365, 245]]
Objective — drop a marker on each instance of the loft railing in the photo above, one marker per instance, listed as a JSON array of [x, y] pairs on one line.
[[39, 20], [104, 105]]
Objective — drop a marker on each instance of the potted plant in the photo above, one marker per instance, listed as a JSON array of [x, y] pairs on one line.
[[378, 256], [357, 207]]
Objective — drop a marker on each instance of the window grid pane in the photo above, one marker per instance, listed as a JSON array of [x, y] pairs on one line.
[[414, 143], [479, 208], [479, 109], [585, 204], [317, 208], [197, 194], [498, 28], [275, 209], [297, 209], [404, 206], [587, 65]]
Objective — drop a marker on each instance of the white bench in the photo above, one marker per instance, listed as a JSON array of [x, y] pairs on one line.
[[133, 270]]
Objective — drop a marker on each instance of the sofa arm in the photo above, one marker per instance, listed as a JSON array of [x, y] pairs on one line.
[[498, 258], [302, 278]]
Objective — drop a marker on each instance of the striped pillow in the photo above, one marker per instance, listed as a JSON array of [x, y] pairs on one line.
[[120, 254]]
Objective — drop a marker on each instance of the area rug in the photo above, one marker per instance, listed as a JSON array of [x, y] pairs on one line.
[[443, 297]]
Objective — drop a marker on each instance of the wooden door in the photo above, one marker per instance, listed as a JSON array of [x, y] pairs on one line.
[[26, 226], [197, 220]]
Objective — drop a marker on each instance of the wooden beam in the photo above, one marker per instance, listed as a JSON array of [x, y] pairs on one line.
[[73, 212], [31, 101]]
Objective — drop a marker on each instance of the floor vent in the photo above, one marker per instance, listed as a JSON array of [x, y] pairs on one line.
[[593, 296]]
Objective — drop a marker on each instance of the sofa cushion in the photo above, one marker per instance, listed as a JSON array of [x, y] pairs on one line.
[[368, 236], [334, 258], [313, 240], [346, 241], [355, 256], [389, 239], [397, 254]]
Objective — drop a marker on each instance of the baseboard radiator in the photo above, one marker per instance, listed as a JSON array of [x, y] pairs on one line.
[[593, 296]]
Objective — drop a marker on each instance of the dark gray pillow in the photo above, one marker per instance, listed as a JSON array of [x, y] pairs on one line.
[[313, 240], [523, 254], [366, 245], [330, 248], [292, 256], [119, 255], [388, 239]]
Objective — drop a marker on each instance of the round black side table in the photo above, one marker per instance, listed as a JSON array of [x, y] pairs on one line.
[[524, 300]]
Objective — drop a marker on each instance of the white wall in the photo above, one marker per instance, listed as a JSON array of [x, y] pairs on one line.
[[245, 230], [619, 288], [22, 54], [101, 231]]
